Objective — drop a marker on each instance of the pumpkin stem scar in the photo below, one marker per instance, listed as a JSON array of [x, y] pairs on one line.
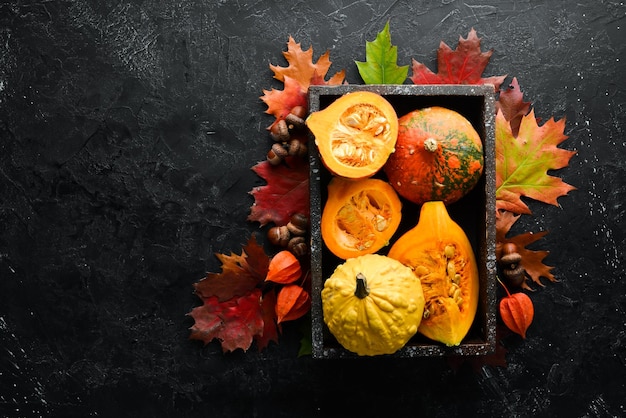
[[430, 144]]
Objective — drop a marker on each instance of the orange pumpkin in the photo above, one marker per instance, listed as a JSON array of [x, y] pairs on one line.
[[359, 216], [439, 156], [441, 256], [355, 134]]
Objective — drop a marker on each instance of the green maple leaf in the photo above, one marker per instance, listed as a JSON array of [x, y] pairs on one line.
[[380, 66], [523, 162]]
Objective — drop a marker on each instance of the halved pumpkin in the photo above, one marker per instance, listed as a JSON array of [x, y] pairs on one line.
[[355, 134], [359, 216], [441, 256]]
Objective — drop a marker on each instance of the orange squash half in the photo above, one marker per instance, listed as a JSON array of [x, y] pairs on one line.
[[355, 134], [359, 216], [441, 256]]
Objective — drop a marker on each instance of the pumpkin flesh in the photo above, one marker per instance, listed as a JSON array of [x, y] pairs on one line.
[[438, 156], [359, 216], [441, 256], [355, 134]]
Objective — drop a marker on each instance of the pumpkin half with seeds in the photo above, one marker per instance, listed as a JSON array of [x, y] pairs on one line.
[[355, 134], [441, 256], [359, 216]]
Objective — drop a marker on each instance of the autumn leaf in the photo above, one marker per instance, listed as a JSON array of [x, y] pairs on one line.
[[301, 67], [270, 328], [286, 192], [240, 273], [234, 322], [297, 77], [280, 102], [512, 105], [522, 162], [532, 261], [380, 66], [465, 65], [236, 308]]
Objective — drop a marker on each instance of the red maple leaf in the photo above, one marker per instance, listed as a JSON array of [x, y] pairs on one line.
[[286, 192], [234, 322], [236, 310], [465, 65]]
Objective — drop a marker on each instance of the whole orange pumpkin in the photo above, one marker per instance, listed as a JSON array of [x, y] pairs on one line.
[[438, 156]]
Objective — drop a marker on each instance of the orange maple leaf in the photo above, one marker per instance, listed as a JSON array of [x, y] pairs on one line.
[[522, 162], [464, 65], [532, 261]]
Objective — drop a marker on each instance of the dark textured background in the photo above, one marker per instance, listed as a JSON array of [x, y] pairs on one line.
[[127, 133]]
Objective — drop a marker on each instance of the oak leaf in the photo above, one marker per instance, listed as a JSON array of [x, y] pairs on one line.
[[286, 192], [532, 261], [380, 65], [240, 273], [522, 162], [464, 65], [297, 77], [512, 105], [301, 67], [280, 102]]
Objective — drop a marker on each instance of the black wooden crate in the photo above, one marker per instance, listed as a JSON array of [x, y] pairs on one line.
[[475, 213]]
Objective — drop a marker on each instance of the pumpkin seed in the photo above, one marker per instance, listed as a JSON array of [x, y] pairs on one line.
[[453, 289], [449, 251], [451, 269], [421, 270]]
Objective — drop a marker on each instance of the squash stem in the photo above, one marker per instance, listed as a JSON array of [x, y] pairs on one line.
[[361, 286], [430, 144]]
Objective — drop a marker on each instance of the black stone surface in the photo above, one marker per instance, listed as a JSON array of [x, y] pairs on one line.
[[127, 133]]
